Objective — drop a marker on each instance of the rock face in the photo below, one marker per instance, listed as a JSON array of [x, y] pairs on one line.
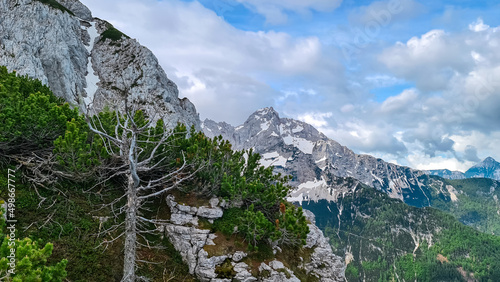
[[324, 264], [64, 47], [189, 239], [320, 167]]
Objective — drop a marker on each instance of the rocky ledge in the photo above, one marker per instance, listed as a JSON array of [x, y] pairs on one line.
[[190, 239]]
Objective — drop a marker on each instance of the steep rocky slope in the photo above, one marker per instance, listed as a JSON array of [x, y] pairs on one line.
[[75, 53]]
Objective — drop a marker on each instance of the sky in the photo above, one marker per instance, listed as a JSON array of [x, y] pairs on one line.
[[412, 82]]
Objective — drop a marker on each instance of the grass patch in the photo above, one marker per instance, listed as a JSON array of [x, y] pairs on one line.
[[229, 220], [291, 259], [256, 258], [225, 245], [225, 270], [56, 5], [113, 34], [203, 223], [189, 199], [168, 264]]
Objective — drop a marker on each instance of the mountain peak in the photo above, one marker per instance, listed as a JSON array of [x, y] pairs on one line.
[[266, 112], [79, 9], [488, 163], [489, 160], [488, 168]]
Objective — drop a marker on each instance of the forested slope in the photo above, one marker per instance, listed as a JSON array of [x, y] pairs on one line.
[[386, 240]]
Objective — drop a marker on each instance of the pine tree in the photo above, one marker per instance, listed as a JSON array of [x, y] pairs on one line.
[[30, 260], [31, 117]]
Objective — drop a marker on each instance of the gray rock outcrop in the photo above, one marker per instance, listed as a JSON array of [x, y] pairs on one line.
[[190, 240], [276, 272], [324, 263]]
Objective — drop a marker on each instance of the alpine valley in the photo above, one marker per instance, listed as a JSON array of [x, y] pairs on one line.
[[354, 217]]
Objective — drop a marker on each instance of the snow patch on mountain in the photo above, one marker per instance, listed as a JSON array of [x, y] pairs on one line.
[[302, 144], [91, 79], [298, 198], [297, 129], [264, 126], [312, 184], [273, 159], [321, 160]]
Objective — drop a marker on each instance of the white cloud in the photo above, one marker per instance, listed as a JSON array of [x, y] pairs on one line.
[[317, 120], [486, 143], [399, 102], [382, 80], [347, 108], [478, 26], [364, 137], [424, 162], [431, 60]]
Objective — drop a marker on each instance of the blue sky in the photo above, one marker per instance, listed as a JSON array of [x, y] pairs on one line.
[[412, 82]]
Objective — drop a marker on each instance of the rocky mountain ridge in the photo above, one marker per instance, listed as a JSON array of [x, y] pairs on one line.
[[381, 239], [488, 168], [446, 173], [75, 54], [320, 166]]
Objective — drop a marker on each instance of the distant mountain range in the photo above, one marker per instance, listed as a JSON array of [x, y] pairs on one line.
[[319, 164], [384, 239], [488, 168]]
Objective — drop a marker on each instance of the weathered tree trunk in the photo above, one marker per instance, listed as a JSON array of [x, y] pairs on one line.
[[129, 262], [130, 232]]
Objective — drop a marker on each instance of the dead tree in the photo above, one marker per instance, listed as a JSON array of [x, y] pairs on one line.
[[140, 157]]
